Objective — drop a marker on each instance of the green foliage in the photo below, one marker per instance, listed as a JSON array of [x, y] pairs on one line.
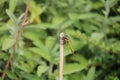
[[91, 74], [7, 43], [92, 26], [71, 68], [0, 78]]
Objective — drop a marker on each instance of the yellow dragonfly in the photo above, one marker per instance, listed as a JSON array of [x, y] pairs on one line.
[[69, 44]]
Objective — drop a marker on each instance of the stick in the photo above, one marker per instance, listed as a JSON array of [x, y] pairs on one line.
[[24, 22], [61, 56]]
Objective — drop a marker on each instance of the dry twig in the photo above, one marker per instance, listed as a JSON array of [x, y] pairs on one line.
[[61, 56], [24, 22], [63, 38]]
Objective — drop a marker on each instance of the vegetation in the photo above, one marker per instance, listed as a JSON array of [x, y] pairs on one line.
[[92, 26]]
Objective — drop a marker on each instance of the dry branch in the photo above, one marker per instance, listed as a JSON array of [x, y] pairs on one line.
[[24, 22], [61, 56]]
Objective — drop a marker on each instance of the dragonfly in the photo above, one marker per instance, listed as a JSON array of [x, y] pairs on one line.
[[69, 44]]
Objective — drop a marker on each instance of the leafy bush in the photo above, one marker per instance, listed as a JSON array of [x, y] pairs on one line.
[[93, 27]]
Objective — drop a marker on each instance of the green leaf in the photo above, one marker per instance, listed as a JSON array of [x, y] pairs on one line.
[[12, 16], [8, 43], [115, 46], [11, 75], [97, 36], [81, 59], [58, 20], [41, 53], [24, 67], [27, 66], [32, 35], [2, 55], [2, 1], [41, 69], [115, 19], [35, 11], [3, 28], [84, 16], [66, 24], [91, 74], [50, 42], [40, 45], [2, 39], [112, 2], [0, 78], [12, 5], [35, 34], [37, 26], [72, 68], [28, 76]]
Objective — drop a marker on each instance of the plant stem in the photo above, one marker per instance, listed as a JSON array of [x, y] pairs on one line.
[[61, 56], [24, 22]]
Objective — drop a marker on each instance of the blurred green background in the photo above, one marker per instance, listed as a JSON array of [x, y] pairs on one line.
[[92, 26]]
